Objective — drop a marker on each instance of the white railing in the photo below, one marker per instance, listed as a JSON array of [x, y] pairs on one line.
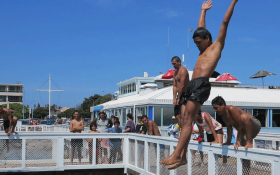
[[42, 128], [141, 153]]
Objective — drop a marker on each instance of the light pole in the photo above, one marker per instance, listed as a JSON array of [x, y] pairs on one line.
[[190, 30]]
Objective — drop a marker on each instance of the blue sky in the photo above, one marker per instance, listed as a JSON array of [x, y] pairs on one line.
[[90, 45]]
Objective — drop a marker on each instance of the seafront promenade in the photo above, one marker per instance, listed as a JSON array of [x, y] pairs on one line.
[[50, 151]]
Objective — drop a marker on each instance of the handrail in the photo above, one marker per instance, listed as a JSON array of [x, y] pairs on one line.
[[141, 153]]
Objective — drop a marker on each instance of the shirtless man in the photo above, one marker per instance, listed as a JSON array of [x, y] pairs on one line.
[[76, 126], [180, 85], [151, 125], [10, 121], [199, 87], [246, 125]]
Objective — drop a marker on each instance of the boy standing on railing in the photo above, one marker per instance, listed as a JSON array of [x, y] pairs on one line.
[[115, 144], [246, 125], [76, 126]]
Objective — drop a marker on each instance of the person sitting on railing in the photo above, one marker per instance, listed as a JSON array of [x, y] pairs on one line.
[[151, 126], [92, 128], [9, 122], [140, 127], [214, 129], [76, 126], [173, 129], [115, 144], [246, 125]]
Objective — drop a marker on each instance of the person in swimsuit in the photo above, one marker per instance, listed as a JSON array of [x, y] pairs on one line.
[[151, 126], [199, 87], [76, 126], [92, 128], [9, 122], [214, 130], [247, 126]]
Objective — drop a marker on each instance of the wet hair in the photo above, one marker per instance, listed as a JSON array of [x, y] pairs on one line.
[[144, 116], [92, 124], [116, 122], [129, 116], [218, 101], [201, 32], [176, 58]]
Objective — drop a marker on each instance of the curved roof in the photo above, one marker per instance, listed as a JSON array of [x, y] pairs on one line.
[[232, 95]]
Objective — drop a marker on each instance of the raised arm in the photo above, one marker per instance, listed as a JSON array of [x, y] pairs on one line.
[[223, 30], [205, 6]]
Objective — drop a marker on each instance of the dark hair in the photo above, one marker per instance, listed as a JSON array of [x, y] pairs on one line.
[[144, 116], [74, 112], [201, 32], [199, 112], [218, 101], [129, 116], [92, 124], [112, 116], [176, 58], [116, 122]]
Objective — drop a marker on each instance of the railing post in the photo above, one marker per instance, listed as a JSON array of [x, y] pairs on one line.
[[211, 162], [158, 156], [171, 172], [189, 160], [60, 152], [94, 156], [146, 156], [125, 152], [239, 165], [275, 168], [23, 153], [136, 151]]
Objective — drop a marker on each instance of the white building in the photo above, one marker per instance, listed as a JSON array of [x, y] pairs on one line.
[[153, 96], [11, 93]]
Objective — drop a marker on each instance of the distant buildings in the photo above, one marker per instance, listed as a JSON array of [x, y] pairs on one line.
[[11, 93]]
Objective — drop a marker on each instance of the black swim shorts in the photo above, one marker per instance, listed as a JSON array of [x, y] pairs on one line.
[[177, 108], [77, 142], [6, 124], [198, 90]]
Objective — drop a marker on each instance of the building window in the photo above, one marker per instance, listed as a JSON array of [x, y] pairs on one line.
[[14, 99], [276, 118], [167, 116], [2, 98], [260, 114], [157, 115], [2, 89], [15, 89], [124, 117]]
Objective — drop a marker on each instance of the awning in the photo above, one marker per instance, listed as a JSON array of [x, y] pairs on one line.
[[97, 108]]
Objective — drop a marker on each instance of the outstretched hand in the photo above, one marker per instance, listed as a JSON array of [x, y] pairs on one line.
[[207, 5]]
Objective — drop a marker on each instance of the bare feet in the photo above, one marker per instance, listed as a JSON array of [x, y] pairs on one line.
[[248, 145], [236, 146], [107, 162], [171, 160], [176, 165], [14, 132]]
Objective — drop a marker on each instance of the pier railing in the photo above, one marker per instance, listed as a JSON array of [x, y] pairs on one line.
[[34, 151]]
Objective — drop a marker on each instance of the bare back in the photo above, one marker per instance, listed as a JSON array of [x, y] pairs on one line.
[[153, 128], [5, 114], [233, 116]]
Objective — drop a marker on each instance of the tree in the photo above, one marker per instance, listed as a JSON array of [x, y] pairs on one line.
[[40, 112]]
